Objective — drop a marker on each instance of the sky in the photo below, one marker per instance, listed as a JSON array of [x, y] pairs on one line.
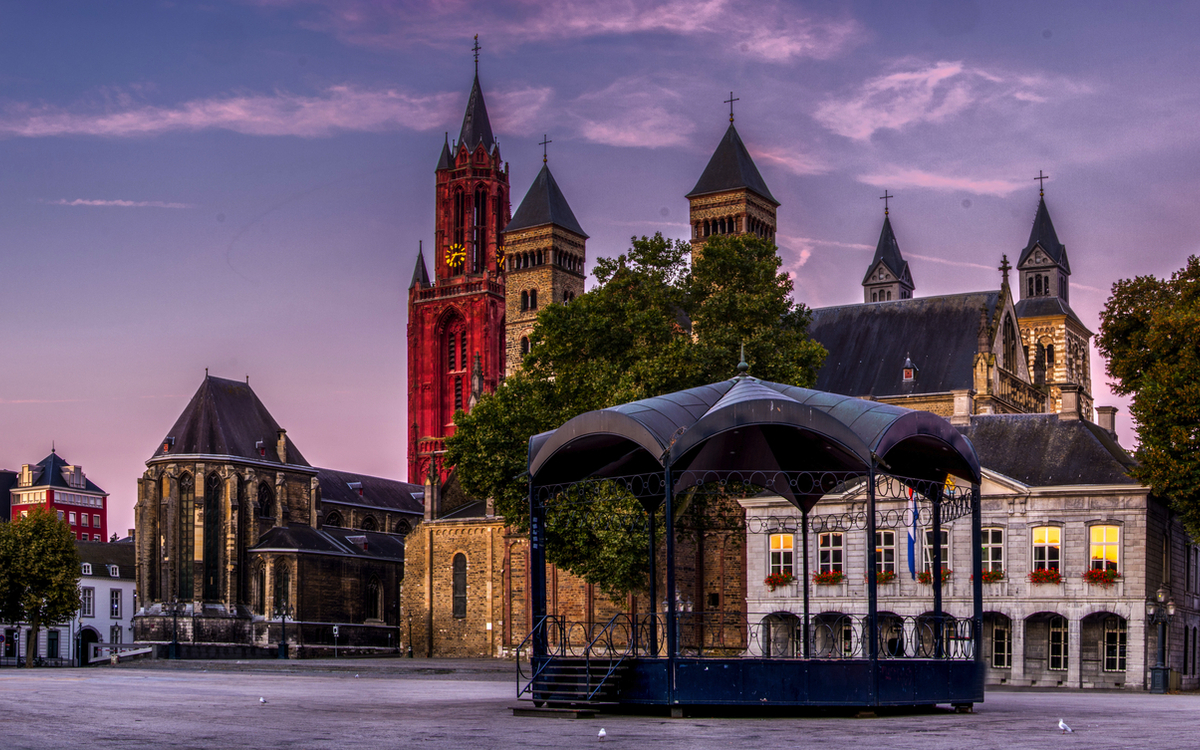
[[242, 186]]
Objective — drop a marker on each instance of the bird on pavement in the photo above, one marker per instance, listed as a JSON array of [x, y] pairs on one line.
[[1063, 726], [262, 700], [602, 734]]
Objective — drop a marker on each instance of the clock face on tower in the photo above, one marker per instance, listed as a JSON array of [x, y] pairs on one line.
[[500, 257], [455, 255]]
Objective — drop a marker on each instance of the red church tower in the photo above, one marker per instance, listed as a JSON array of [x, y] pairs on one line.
[[456, 320]]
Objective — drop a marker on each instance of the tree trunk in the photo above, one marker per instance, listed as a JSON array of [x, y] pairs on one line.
[[31, 642]]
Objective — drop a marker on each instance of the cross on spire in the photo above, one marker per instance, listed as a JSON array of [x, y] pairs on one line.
[[1005, 266], [1041, 179], [476, 49], [730, 102], [884, 198], [545, 141]]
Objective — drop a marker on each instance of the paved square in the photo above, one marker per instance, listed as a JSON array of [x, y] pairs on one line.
[[441, 703]]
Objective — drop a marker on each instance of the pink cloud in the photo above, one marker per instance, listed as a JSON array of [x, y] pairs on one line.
[[633, 112], [519, 111], [120, 203], [901, 177], [792, 160]]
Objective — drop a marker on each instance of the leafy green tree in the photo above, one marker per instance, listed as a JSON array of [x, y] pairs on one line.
[[39, 573], [1150, 335], [654, 323]]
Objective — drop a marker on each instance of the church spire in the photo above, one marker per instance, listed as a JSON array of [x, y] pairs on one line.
[[446, 160], [544, 204], [888, 276], [731, 168], [420, 278], [476, 128]]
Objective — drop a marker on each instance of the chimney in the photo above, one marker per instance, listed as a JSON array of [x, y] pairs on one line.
[[962, 406], [1070, 403], [1106, 417], [281, 445], [431, 494], [131, 536]]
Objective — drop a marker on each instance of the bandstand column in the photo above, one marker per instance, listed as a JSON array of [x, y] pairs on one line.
[[936, 531], [872, 598], [977, 585], [805, 583], [672, 625], [652, 610], [537, 570]]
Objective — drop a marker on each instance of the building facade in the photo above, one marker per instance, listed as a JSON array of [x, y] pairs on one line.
[[64, 489]]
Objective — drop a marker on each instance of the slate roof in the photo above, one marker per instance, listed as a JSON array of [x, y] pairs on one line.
[[420, 277], [544, 204], [225, 418], [731, 168], [476, 127], [377, 492], [330, 540], [52, 475], [446, 160], [888, 251], [103, 554], [1031, 449], [868, 343], [1035, 307], [1043, 234]]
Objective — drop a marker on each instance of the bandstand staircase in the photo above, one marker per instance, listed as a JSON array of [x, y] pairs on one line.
[[578, 680]]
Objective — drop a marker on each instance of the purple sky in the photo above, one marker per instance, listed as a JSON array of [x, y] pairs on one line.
[[242, 186]]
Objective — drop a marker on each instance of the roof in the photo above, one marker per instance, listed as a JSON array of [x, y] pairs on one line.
[[103, 554], [748, 426], [330, 540], [52, 475], [446, 160], [544, 204], [420, 277], [8, 480], [377, 492], [225, 418], [476, 127], [731, 168], [1037, 307], [888, 252], [1043, 235], [868, 343], [1030, 448]]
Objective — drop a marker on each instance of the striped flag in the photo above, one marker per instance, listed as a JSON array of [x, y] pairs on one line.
[[912, 534]]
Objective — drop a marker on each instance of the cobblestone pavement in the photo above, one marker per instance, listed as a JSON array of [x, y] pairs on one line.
[[392, 703]]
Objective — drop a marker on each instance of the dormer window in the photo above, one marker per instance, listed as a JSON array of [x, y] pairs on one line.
[[114, 571], [909, 371], [87, 569], [168, 443], [356, 486], [262, 448]]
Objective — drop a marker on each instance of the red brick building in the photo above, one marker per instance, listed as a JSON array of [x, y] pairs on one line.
[[62, 488]]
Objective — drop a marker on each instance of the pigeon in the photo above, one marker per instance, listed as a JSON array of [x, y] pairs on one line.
[[262, 700], [602, 734], [1063, 726], [356, 675]]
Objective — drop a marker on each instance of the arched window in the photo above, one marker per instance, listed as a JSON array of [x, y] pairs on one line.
[[283, 586], [333, 518], [1037, 285], [539, 257], [456, 232], [532, 299], [874, 296], [1009, 344], [524, 301], [260, 589], [460, 585], [479, 230], [458, 393], [264, 506], [212, 536], [403, 527], [374, 599], [183, 562], [369, 524], [524, 345]]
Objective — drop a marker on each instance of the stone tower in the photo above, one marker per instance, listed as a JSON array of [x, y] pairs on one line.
[[730, 197], [544, 256], [460, 312], [1057, 344], [888, 277]]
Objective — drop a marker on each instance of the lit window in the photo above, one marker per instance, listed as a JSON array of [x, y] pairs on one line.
[[1046, 547], [830, 550], [885, 551], [993, 549], [945, 546], [1105, 547], [1058, 643], [1114, 644], [782, 553], [1001, 644], [88, 600]]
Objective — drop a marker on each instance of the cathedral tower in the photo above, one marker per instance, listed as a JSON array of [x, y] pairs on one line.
[[1057, 344], [544, 260], [888, 276], [459, 313], [731, 197]]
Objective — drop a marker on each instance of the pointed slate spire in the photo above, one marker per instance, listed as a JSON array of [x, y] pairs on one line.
[[476, 127], [446, 160], [1043, 235], [545, 204], [888, 251], [420, 279], [731, 168]]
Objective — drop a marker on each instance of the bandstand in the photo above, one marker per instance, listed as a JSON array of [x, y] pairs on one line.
[[733, 439]]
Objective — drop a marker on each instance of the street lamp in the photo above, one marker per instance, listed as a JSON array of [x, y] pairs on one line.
[[283, 612], [1159, 611], [174, 628]]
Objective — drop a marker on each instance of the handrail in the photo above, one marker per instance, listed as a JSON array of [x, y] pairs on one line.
[[630, 643], [538, 670]]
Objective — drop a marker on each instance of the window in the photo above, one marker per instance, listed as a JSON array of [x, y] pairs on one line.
[[782, 553], [524, 345], [87, 597], [1046, 547], [95, 521], [993, 549], [83, 519], [1105, 547], [885, 551], [945, 547], [458, 394], [52, 644], [829, 552], [282, 586], [333, 519], [114, 571], [460, 585], [1114, 644], [114, 603], [114, 634], [60, 515], [1001, 643], [95, 537], [265, 507], [71, 517], [374, 597], [1058, 643], [87, 569], [532, 299], [187, 500], [260, 589], [524, 301]]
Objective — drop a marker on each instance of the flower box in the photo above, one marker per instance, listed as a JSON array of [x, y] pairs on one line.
[[1105, 578], [992, 576], [775, 580], [1045, 575], [830, 578], [926, 576], [882, 577]]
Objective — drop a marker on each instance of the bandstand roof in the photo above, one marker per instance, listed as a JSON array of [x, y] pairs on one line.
[[751, 430]]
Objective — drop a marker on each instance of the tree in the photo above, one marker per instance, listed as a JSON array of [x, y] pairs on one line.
[[39, 573], [1150, 335], [652, 325]]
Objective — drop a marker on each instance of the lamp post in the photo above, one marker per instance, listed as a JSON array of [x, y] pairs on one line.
[[174, 628], [284, 611], [1159, 611]]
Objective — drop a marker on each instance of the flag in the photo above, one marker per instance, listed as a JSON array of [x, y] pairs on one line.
[[912, 534]]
